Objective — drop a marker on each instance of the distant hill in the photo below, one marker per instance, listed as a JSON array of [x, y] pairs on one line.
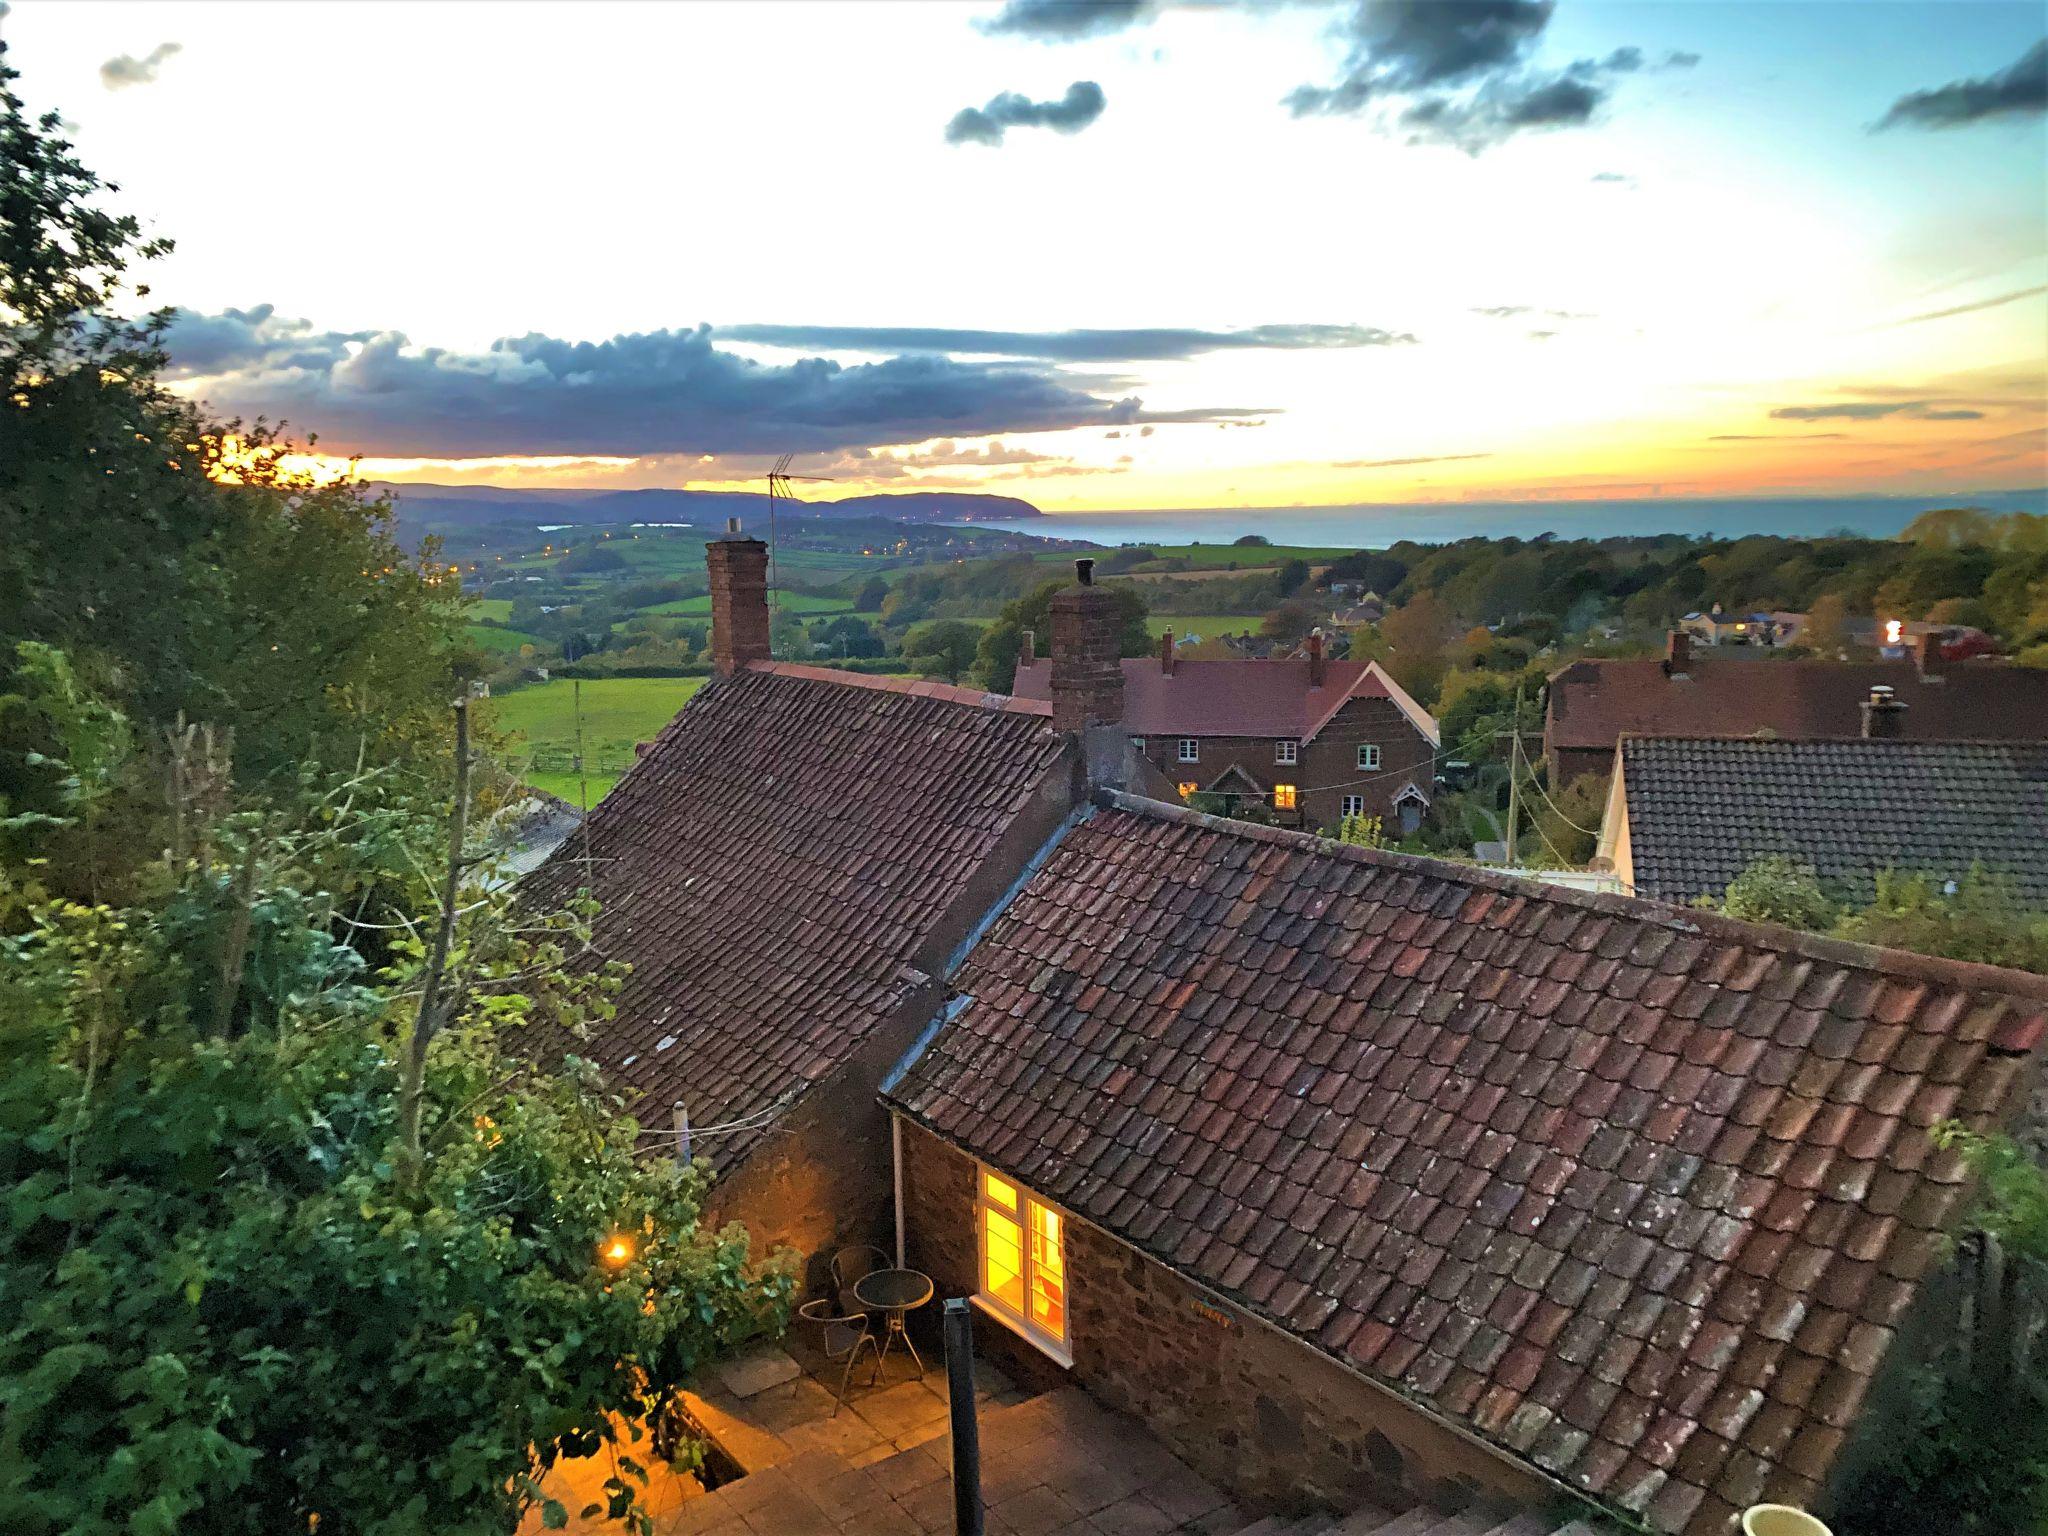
[[432, 508]]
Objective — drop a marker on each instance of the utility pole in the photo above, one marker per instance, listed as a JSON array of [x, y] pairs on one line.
[[1514, 777]]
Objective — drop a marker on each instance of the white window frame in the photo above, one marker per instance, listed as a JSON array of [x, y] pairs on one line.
[[1368, 755], [1354, 805], [1287, 752], [1190, 750], [1061, 1350]]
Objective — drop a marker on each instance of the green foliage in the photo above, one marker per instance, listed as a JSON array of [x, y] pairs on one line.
[[870, 596], [2012, 1198], [944, 646], [995, 659], [1981, 920], [1362, 831], [1963, 1458], [1779, 889], [1250, 541]]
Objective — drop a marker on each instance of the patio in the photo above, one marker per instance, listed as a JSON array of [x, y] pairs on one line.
[[1052, 1465]]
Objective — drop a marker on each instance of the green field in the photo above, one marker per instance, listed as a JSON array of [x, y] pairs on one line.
[[486, 637], [1207, 625], [498, 608], [792, 602], [617, 712]]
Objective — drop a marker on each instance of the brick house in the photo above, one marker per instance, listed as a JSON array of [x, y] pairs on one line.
[[1592, 703], [1353, 1174], [1311, 739]]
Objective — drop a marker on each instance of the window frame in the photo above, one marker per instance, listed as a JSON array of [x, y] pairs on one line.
[[1286, 797], [1188, 749], [1286, 753], [1029, 1205], [1369, 755], [1354, 805]]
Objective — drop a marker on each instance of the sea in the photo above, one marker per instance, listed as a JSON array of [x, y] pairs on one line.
[[1369, 525]]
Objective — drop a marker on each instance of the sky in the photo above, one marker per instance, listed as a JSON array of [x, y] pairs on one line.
[[1113, 256]]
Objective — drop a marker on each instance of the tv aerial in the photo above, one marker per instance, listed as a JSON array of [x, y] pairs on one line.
[[780, 482]]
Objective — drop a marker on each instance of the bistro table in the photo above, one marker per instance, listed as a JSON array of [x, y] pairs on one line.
[[895, 1292]]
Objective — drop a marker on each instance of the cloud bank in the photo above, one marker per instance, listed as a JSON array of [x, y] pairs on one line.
[[637, 394], [122, 71], [1110, 346], [1082, 104], [2021, 91], [1873, 410]]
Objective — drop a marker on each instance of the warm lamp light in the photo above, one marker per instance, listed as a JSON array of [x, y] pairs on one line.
[[618, 1249], [1891, 631]]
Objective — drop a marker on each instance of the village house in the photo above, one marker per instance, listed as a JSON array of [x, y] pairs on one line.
[[1593, 702], [1356, 1177], [1310, 739], [1686, 814]]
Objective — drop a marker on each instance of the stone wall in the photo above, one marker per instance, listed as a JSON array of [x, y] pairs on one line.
[[1263, 1415]]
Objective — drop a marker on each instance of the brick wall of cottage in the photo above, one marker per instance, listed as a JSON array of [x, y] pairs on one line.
[[1263, 1415], [1330, 760]]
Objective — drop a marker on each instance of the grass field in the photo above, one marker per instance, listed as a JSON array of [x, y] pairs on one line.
[[499, 608], [1207, 625], [793, 602], [485, 637], [617, 712]]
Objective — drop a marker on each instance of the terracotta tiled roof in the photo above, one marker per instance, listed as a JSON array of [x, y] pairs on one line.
[[1701, 808], [1266, 696], [775, 867], [1594, 702], [1639, 1196]]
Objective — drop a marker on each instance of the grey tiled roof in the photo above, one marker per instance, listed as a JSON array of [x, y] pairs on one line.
[[1701, 808]]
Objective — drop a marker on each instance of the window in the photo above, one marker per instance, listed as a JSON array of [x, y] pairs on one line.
[[1187, 787], [1283, 797], [1354, 805], [1286, 751], [1024, 1263], [1190, 750], [1368, 755]]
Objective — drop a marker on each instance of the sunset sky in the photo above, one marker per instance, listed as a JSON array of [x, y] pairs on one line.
[[1141, 255]]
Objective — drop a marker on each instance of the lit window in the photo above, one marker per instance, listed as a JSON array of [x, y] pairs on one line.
[[1190, 750], [1187, 787], [1354, 805], [1286, 751], [1024, 1262], [1283, 797], [1368, 755]]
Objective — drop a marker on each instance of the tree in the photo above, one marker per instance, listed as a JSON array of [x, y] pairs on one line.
[[1291, 621], [1827, 626], [1418, 635], [845, 637], [945, 646], [871, 595], [1250, 541], [1291, 577], [995, 659]]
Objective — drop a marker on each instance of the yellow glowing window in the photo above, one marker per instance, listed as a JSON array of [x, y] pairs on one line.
[[1024, 1262], [1187, 787], [1283, 797]]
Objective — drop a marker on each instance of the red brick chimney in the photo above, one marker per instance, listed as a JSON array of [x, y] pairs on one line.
[[1087, 669], [1318, 669], [1677, 654], [1884, 717], [739, 600], [1166, 652], [1927, 654]]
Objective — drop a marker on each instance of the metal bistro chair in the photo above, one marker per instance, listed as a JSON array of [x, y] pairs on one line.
[[852, 1265], [842, 1335]]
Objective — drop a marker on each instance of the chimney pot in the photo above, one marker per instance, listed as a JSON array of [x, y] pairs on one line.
[[1927, 652], [732, 526], [1883, 714], [1677, 653], [1166, 657], [1084, 571], [738, 568], [1027, 649], [1318, 669]]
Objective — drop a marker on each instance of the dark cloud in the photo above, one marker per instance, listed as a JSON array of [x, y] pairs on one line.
[[122, 71], [1067, 346], [646, 393], [2021, 91], [1873, 410], [1415, 50], [1062, 21], [1439, 458], [1074, 111]]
